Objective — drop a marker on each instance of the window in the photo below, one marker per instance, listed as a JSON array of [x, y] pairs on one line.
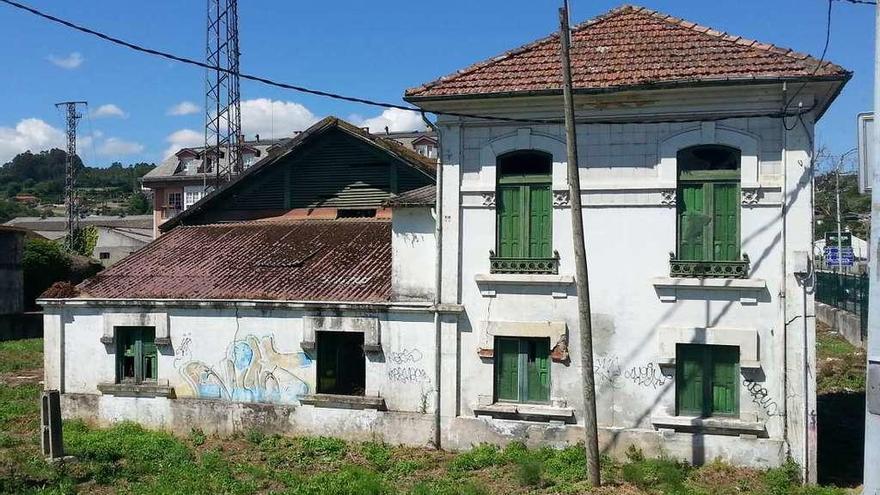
[[708, 199], [104, 255], [175, 200], [706, 380], [341, 363], [522, 369], [136, 356], [524, 214]]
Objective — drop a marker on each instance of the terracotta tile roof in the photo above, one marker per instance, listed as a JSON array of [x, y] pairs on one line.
[[630, 47], [303, 260], [423, 196]]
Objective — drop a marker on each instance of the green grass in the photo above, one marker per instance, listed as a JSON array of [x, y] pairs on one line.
[[21, 355], [841, 365]]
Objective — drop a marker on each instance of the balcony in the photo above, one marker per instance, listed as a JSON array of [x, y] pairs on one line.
[[708, 269], [545, 266]]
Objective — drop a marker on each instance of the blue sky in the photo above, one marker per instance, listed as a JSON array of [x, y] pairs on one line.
[[369, 49]]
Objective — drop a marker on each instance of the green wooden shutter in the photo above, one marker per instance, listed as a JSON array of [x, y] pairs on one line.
[[540, 221], [690, 380], [725, 221], [509, 211], [126, 354], [537, 370], [150, 355], [725, 390], [692, 221], [506, 369]]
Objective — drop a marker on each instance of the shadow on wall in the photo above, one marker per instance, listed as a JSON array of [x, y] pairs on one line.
[[251, 371]]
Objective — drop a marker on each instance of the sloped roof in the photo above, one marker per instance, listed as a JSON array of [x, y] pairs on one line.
[[301, 260], [394, 149], [423, 196], [630, 47], [59, 223]]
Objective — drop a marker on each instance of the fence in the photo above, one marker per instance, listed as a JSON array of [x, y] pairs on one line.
[[846, 292]]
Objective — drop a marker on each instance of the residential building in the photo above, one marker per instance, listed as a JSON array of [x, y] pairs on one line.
[[287, 288], [117, 236]]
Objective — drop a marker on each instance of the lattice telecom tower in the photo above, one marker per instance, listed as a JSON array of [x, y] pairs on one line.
[[223, 136], [70, 200]]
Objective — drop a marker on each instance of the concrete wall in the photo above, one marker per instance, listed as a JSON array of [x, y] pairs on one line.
[[843, 322], [628, 180], [116, 245], [413, 254], [224, 364]]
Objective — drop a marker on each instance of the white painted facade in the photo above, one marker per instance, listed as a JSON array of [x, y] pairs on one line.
[[628, 177]]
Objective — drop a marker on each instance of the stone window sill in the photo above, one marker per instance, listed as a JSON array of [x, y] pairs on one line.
[[522, 278], [344, 401], [718, 425], [526, 412], [710, 283], [136, 390]]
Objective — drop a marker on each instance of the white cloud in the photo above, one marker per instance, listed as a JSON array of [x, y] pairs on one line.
[[29, 134], [394, 118], [118, 147], [108, 110], [72, 61], [274, 118], [183, 138], [184, 108]]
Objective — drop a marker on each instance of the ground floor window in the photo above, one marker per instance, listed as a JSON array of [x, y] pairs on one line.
[[707, 380], [522, 369], [341, 363], [136, 356]]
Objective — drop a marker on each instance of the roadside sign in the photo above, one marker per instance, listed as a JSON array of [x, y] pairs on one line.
[[866, 151], [845, 239], [845, 256]]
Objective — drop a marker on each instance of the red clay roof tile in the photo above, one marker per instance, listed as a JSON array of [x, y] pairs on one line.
[[629, 47]]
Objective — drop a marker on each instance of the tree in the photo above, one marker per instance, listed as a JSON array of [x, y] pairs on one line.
[[44, 262], [84, 240], [139, 204]]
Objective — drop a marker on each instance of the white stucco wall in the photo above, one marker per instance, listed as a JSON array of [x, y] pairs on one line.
[[414, 253]]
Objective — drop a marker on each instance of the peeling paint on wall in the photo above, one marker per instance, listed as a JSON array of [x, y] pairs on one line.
[[252, 371]]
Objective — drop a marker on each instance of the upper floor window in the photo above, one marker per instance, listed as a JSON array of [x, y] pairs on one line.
[[524, 204], [708, 201], [175, 200]]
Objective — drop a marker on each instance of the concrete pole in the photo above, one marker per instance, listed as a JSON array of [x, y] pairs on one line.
[[591, 430], [872, 419], [837, 198]]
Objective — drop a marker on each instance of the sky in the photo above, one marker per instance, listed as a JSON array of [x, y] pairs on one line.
[[142, 108]]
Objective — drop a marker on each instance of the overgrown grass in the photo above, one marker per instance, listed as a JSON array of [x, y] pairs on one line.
[[841, 365], [22, 354]]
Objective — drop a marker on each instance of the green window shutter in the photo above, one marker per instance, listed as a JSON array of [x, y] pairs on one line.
[[510, 221], [537, 353], [690, 379], [506, 369], [693, 222], [150, 360], [725, 390], [725, 199], [540, 221]]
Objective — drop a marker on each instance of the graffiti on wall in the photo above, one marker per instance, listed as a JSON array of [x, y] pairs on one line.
[[406, 367], [648, 376], [607, 371], [761, 397], [252, 370]]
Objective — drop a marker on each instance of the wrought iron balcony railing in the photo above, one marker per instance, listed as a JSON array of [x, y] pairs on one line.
[[708, 269], [498, 264]]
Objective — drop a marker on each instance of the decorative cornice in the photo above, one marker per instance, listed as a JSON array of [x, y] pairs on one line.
[[489, 199], [561, 199], [668, 197], [751, 196]]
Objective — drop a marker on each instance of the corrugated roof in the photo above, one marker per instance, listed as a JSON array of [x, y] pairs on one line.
[[630, 47], [303, 260], [59, 223], [423, 196]]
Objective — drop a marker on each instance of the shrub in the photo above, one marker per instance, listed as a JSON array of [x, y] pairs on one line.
[[254, 436], [197, 437], [779, 480]]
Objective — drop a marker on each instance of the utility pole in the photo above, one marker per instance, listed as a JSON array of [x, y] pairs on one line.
[[872, 414], [222, 94], [72, 222], [591, 430], [837, 199]]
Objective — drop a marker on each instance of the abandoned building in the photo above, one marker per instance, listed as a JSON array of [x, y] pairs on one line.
[[327, 291]]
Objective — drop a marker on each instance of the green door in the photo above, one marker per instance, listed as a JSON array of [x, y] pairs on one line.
[[506, 367], [537, 357], [689, 380], [724, 379]]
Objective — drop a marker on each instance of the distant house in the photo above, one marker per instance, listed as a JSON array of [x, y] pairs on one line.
[[117, 236], [27, 199], [422, 142]]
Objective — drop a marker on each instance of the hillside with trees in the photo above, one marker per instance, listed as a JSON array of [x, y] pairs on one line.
[[113, 190]]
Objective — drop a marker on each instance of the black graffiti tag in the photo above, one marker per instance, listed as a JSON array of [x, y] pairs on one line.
[[761, 397]]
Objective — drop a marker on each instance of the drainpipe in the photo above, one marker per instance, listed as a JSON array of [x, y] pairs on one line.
[[438, 279], [784, 276]]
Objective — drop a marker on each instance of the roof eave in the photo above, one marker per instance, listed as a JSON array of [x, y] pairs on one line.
[[415, 99]]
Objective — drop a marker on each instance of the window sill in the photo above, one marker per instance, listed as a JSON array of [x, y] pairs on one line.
[[522, 278], [136, 390], [344, 401], [526, 412], [710, 283], [718, 425]]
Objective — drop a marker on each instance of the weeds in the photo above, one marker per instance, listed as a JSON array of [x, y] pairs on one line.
[[197, 437]]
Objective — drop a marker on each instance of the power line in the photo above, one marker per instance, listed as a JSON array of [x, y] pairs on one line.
[[859, 2], [352, 99], [818, 65]]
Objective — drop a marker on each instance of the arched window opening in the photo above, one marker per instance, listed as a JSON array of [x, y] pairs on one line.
[[524, 204], [708, 202]]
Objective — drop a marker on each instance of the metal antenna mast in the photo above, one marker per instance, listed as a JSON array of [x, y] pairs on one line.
[[72, 223], [222, 97]]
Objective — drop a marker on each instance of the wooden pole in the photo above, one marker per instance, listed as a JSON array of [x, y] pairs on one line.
[[591, 433]]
